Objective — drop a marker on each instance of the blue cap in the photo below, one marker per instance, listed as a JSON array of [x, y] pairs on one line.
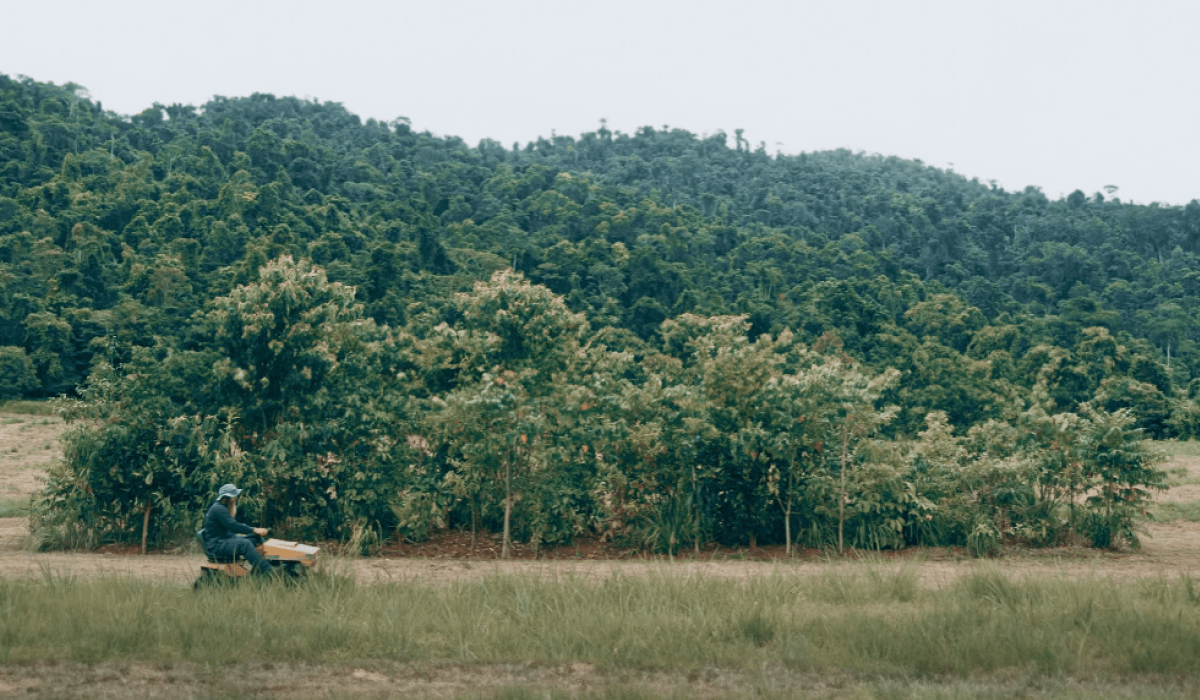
[[228, 490]]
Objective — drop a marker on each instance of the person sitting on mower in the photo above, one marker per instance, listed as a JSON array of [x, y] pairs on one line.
[[221, 529]]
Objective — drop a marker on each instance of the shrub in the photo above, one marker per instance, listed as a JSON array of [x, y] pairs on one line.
[[18, 376]]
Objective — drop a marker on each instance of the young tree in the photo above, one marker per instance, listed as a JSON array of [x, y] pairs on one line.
[[793, 431], [280, 337], [522, 375], [132, 452], [853, 396], [716, 379], [733, 373], [652, 479], [1121, 470], [496, 428]]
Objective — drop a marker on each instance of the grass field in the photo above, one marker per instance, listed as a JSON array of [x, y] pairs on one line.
[[877, 630], [870, 626]]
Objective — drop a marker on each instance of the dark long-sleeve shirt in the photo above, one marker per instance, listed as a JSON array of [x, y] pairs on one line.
[[220, 525]]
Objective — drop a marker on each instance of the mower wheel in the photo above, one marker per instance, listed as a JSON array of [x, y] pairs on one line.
[[294, 569], [207, 578]]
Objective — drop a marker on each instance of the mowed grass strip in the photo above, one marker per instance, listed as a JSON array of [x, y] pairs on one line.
[[866, 621]]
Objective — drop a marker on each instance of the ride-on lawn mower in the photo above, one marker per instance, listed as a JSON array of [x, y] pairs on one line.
[[292, 559]]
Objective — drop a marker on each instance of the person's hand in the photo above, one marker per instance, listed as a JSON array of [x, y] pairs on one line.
[[260, 531]]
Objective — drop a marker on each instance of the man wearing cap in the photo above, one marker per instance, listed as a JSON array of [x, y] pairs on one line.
[[221, 530]]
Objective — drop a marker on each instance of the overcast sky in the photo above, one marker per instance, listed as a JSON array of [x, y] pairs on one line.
[[1058, 94]]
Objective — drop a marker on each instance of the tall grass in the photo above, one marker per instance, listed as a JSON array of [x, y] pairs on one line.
[[868, 620]]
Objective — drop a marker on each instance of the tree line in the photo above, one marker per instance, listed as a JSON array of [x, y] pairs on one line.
[[518, 417]]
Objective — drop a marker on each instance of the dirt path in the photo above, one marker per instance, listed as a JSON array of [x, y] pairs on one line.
[[1169, 549], [1173, 550], [377, 680], [1179, 541]]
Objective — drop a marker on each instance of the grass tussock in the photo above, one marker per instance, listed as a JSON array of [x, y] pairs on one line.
[[862, 621]]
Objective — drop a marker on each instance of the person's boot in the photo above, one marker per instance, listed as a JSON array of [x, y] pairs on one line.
[[265, 570]]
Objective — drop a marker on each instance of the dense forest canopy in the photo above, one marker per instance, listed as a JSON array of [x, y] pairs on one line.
[[205, 239]]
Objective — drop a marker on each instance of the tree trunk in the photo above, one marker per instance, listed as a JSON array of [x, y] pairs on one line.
[[474, 522], [842, 496], [787, 527], [504, 549], [787, 509], [696, 508], [1071, 496], [145, 526]]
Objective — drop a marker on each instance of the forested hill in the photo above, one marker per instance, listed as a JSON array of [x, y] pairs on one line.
[[115, 231]]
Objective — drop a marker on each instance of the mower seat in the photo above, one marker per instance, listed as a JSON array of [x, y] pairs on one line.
[[215, 559]]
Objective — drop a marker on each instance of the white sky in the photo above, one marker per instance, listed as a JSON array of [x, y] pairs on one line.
[[1059, 94]]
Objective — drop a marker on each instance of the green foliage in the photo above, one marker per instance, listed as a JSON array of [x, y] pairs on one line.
[[1121, 470], [283, 409], [130, 454], [522, 381], [522, 421], [698, 342], [17, 375], [122, 228]]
